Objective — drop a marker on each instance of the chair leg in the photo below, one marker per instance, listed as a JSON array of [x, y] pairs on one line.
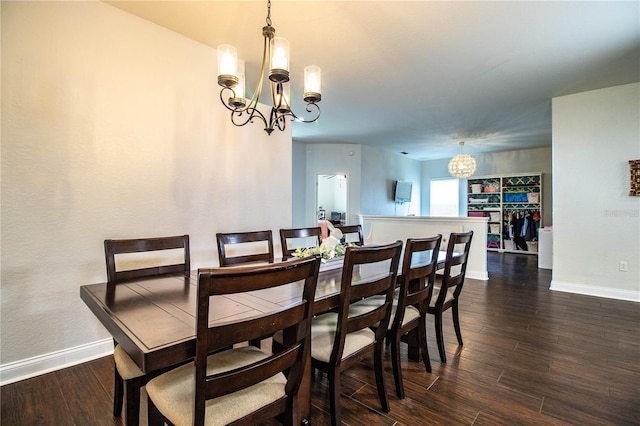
[[334, 395], [456, 321], [154, 417], [118, 392], [133, 401], [397, 369], [422, 344], [440, 337], [379, 369], [413, 345]]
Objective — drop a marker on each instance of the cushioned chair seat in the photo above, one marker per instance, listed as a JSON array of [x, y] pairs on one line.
[[173, 392], [369, 303], [436, 292], [125, 365], [323, 334]]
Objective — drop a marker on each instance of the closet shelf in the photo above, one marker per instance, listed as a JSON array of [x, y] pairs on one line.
[[510, 202]]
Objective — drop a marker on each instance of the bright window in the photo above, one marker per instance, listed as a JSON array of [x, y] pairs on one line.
[[444, 200]]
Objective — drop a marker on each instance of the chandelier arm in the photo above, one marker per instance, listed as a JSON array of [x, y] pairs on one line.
[[227, 103], [277, 120], [308, 109], [251, 114], [277, 103], [266, 53]]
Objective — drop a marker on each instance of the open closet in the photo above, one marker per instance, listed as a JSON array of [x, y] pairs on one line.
[[513, 206]]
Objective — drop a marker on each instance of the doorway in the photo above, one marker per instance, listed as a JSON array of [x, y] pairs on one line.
[[331, 198]]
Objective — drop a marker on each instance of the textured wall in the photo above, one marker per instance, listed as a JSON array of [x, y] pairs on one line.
[[596, 223], [112, 128]]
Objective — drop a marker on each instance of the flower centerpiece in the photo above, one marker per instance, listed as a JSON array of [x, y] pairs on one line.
[[329, 249], [325, 253]]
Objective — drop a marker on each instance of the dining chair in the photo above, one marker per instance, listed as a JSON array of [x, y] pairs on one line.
[[341, 339], [242, 385], [448, 286], [409, 313], [410, 303], [291, 239], [239, 248], [352, 234], [230, 246], [128, 377]]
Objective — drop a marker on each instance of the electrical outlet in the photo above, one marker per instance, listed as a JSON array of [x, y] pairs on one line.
[[622, 266]]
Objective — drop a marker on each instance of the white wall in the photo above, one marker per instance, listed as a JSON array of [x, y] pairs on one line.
[[596, 223], [299, 186], [380, 170], [112, 127]]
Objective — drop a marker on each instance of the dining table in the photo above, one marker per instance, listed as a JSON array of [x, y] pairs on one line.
[[153, 318]]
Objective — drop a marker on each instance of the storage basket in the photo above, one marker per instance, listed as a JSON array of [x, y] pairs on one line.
[[494, 228], [533, 197], [516, 197], [476, 188], [494, 216]]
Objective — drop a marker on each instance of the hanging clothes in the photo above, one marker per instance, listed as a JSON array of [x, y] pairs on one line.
[[518, 228], [534, 226]]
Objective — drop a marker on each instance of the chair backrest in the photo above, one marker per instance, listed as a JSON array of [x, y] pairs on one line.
[[455, 266], [418, 274], [357, 285], [256, 240], [358, 238], [294, 321], [140, 245], [312, 237]]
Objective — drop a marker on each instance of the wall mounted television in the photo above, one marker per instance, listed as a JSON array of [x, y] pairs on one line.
[[402, 193]]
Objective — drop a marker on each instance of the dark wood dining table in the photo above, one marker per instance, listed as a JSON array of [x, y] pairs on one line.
[[153, 319]]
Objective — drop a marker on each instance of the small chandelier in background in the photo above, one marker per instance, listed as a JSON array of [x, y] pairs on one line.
[[462, 165], [275, 54]]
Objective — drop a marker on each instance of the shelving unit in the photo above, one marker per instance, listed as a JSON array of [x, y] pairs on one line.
[[513, 206]]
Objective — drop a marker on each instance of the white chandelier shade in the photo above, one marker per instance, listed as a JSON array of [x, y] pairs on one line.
[[462, 165]]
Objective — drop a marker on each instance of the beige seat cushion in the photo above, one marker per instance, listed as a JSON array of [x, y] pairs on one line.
[[174, 392], [125, 365], [372, 302], [436, 292], [323, 334]]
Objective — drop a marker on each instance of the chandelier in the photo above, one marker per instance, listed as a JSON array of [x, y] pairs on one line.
[[462, 165], [275, 54]]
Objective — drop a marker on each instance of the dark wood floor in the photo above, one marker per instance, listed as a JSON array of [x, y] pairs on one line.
[[530, 357]]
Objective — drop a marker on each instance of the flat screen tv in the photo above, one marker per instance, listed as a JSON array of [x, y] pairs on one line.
[[403, 191]]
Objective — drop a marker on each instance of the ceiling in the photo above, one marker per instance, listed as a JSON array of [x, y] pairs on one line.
[[417, 77]]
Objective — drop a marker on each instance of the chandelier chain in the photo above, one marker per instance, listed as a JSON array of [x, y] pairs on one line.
[[269, 13]]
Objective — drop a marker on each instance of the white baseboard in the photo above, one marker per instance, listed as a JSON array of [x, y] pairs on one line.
[[31, 367], [477, 275], [606, 292]]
